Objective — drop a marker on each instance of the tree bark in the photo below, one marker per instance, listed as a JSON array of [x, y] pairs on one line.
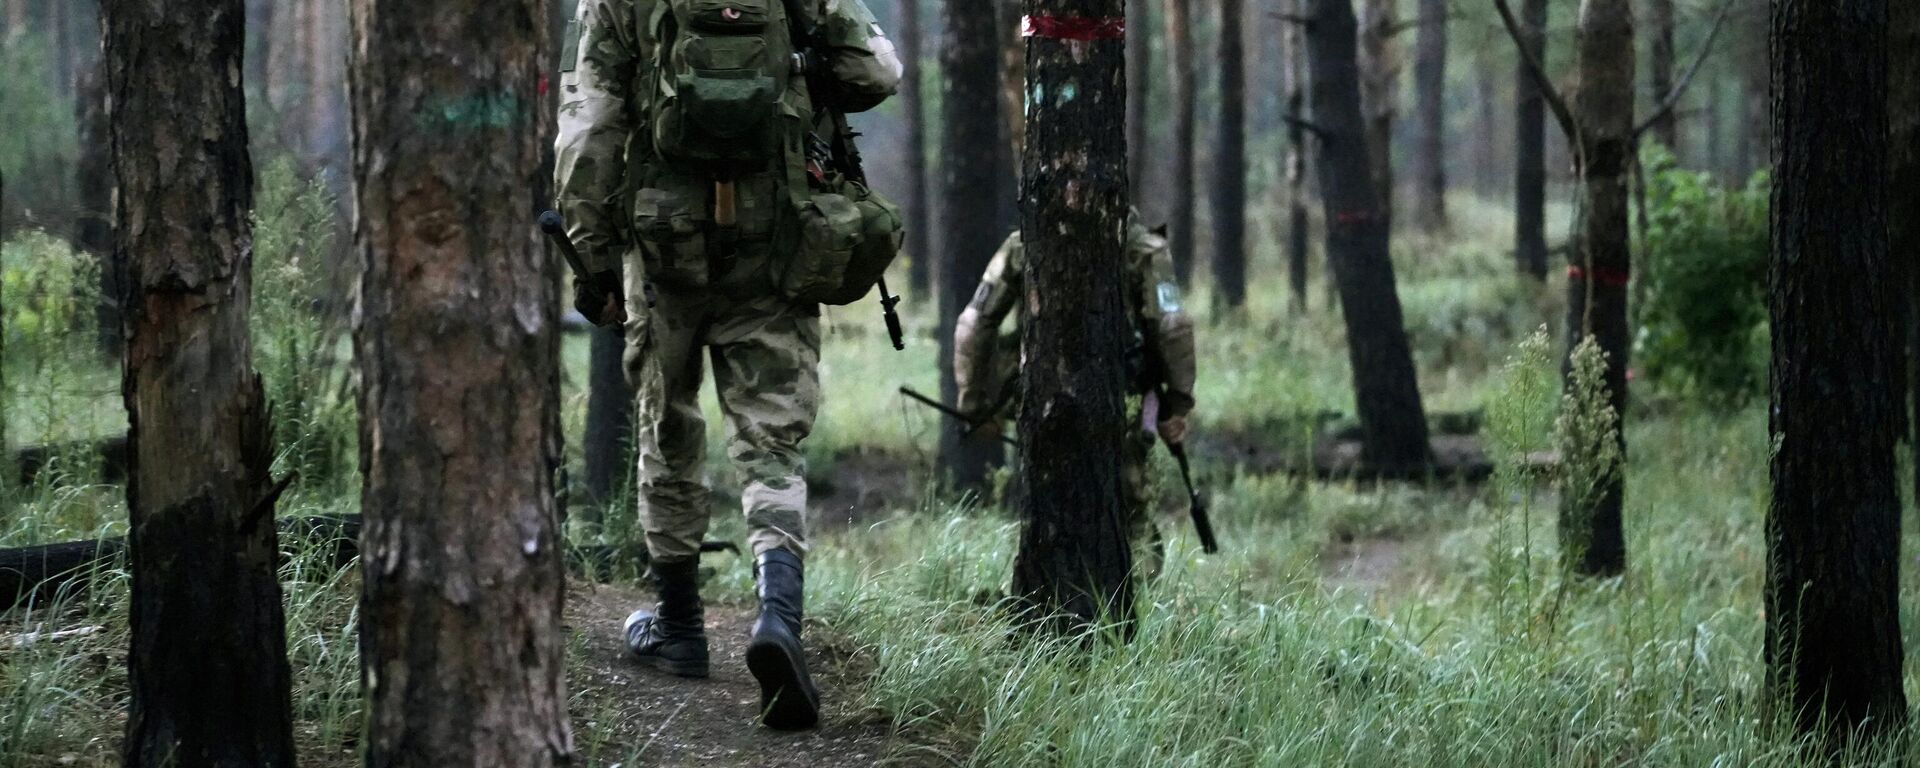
[[919, 225], [1591, 537], [456, 339], [1380, 94], [1139, 95], [1074, 561], [1903, 180], [1430, 141], [207, 669], [1666, 127], [1386, 391], [1293, 79], [1230, 175], [1833, 647], [609, 429], [1486, 157], [1530, 151], [973, 163], [1184, 84]]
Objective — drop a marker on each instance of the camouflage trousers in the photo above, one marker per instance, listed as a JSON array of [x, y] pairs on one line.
[[765, 354]]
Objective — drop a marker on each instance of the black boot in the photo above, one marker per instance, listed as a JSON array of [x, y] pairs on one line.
[[788, 700], [673, 636]]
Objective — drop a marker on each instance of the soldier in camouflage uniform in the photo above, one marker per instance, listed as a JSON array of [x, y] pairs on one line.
[[986, 360], [709, 249]]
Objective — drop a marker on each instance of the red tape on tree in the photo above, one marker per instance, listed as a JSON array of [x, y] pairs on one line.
[[1611, 278], [1073, 27]]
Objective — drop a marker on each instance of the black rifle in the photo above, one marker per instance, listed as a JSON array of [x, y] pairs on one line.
[[842, 155]]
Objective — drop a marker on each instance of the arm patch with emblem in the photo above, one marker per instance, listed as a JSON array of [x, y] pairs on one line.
[[1169, 297]]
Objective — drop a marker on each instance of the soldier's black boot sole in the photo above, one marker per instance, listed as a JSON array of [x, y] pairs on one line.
[[788, 698], [673, 637], [677, 653]]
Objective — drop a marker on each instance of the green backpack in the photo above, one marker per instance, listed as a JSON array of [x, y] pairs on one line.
[[722, 68]]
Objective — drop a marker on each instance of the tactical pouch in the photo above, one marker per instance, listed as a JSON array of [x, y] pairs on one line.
[[847, 240], [721, 79], [669, 224]]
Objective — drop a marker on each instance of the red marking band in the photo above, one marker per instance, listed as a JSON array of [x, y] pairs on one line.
[[1352, 217], [1073, 27], [1610, 278]]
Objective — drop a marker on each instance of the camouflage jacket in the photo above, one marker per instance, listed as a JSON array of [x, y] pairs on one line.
[[603, 152], [986, 360]]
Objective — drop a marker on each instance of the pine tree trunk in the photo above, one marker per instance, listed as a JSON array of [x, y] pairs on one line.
[[1139, 96], [1386, 391], [1833, 646], [260, 45], [1430, 142], [1074, 560], [1666, 128], [1380, 94], [1230, 176], [93, 221], [456, 339], [609, 429], [1756, 127], [200, 500], [1903, 179], [973, 165], [1530, 151], [1486, 157], [920, 221], [1590, 531], [1293, 79], [1184, 84]]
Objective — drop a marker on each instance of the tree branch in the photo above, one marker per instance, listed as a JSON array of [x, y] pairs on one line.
[[1306, 125], [1293, 18], [1555, 102], [1672, 98], [1421, 21]]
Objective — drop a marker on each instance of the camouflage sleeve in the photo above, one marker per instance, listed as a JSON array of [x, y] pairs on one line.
[[865, 65], [596, 119], [1164, 322], [977, 331]]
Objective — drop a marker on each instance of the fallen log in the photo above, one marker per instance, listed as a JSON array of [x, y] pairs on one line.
[[49, 571]]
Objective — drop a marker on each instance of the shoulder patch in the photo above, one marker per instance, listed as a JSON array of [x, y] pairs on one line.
[[1168, 294]]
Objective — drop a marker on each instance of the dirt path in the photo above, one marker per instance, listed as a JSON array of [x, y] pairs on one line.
[[628, 714]]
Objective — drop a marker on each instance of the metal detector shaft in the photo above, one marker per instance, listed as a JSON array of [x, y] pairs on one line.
[[951, 412]]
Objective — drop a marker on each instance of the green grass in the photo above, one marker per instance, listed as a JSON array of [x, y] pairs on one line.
[[1469, 650]]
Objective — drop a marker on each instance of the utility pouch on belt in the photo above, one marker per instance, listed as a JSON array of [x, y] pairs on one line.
[[847, 239], [670, 224]]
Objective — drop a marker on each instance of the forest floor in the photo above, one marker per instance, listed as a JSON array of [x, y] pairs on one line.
[[638, 716]]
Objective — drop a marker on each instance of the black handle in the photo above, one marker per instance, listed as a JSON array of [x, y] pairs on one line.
[[1196, 503], [556, 229]]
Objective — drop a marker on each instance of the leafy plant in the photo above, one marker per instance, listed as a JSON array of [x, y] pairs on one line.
[[297, 343], [1701, 308]]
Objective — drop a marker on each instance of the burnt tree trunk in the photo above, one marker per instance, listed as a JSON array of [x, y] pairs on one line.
[[1903, 181], [207, 670], [1430, 120], [1592, 541], [1139, 96], [1293, 80], [1666, 126], [919, 223], [1833, 647], [1230, 176], [456, 340], [609, 428], [1530, 150], [973, 167], [1380, 94], [1074, 560], [1386, 391], [1183, 85]]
